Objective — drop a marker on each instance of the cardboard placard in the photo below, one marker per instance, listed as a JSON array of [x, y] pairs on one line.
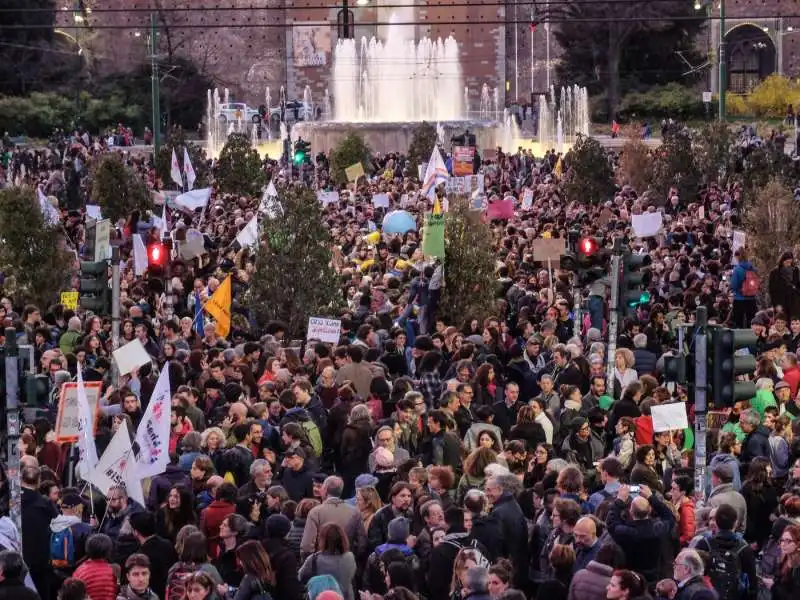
[[501, 209], [545, 249], [67, 419], [324, 330], [353, 172], [131, 356]]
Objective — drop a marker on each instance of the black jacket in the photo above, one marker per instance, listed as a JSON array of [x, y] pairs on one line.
[[641, 540], [37, 512], [514, 530], [298, 484], [284, 565], [442, 559], [14, 589], [487, 530], [755, 444], [728, 541], [162, 556], [505, 416], [378, 532], [237, 461]]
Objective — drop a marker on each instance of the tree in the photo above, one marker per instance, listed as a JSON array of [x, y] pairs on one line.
[[772, 224], [293, 278], [176, 140], [32, 57], [469, 279], [598, 39], [117, 188], [423, 139], [635, 161], [713, 151], [351, 150], [756, 166], [239, 168], [675, 165], [589, 176], [33, 257]]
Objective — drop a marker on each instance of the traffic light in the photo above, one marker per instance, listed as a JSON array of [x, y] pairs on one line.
[[634, 279], [157, 256], [94, 293], [592, 259], [728, 361], [302, 152], [35, 390], [676, 368]]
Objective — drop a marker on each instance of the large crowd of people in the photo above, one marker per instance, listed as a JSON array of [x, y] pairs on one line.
[[417, 459]]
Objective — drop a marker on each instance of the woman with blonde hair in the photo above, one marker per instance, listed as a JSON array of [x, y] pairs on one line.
[[624, 373], [212, 442], [368, 503], [465, 560]]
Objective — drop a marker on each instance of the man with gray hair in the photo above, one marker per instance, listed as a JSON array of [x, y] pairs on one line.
[[505, 508], [644, 359], [260, 480], [756, 441], [477, 584], [688, 571], [334, 510], [723, 492]]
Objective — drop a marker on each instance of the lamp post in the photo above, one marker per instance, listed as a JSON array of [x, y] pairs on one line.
[[155, 85], [723, 60]]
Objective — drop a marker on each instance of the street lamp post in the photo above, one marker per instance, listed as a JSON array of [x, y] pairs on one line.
[[722, 61], [155, 85]]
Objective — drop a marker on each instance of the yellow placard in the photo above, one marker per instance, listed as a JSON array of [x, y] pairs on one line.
[[70, 300], [355, 171]]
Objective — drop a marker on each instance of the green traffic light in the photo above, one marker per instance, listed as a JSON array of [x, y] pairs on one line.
[[299, 157]]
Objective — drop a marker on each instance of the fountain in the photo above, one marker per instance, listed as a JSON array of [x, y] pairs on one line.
[[563, 118], [383, 88]]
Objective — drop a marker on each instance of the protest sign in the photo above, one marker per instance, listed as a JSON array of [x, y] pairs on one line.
[[739, 238], [548, 249], [527, 199], [433, 234], [353, 172], [67, 418], [501, 209], [669, 417], [380, 200], [324, 330], [70, 300], [646, 225], [463, 157], [131, 356]]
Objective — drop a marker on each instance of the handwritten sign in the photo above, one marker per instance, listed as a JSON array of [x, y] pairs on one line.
[[67, 419], [328, 197], [355, 171], [324, 330], [669, 417], [70, 300], [739, 238], [380, 200], [527, 199]]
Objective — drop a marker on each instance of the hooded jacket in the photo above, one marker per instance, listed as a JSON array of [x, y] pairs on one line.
[[737, 279], [80, 532]]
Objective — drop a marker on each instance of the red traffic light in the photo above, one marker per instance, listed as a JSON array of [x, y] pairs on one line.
[[587, 246], [156, 254]]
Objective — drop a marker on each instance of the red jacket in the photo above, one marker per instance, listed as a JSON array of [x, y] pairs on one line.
[[687, 524], [210, 519], [792, 377], [100, 580]]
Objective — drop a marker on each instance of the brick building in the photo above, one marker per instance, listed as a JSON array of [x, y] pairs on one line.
[[249, 45]]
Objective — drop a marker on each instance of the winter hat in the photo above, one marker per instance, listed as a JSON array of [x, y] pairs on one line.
[[278, 526], [365, 480], [384, 458], [399, 529], [324, 587]]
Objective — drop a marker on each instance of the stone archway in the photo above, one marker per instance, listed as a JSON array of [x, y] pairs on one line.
[[751, 57]]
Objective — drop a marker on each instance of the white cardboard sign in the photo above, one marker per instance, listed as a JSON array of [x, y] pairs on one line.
[[669, 417], [324, 330]]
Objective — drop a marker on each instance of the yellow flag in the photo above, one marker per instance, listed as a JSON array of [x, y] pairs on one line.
[[437, 207], [559, 168], [219, 307]]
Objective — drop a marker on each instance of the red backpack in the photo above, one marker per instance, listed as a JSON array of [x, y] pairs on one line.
[[751, 284]]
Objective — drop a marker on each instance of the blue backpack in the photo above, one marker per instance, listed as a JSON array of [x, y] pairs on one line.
[[62, 549]]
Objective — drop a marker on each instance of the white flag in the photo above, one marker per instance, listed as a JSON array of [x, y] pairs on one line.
[[271, 189], [118, 466], [175, 170], [194, 199], [270, 206], [435, 173], [153, 433], [139, 255], [188, 169], [87, 450], [249, 235]]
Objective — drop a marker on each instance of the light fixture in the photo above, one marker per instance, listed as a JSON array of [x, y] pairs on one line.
[[137, 34], [362, 2], [78, 18], [697, 5], [790, 28]]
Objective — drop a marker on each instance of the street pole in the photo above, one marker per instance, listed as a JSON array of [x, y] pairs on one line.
[[12, 427], [516, 50], [576, 308], [345, 19], [155, 85], [115, 301], [700, 399], [613, 322], [722, 61]]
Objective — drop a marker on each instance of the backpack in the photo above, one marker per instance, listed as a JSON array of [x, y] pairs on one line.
[[751, 284], [177, 577], [313, 435], [62, 549], [726, 569], [262, 593]]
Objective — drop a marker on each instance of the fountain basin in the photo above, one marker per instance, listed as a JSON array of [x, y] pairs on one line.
[[392, 137]]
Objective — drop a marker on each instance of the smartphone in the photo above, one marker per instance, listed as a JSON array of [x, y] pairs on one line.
[[634, 489]]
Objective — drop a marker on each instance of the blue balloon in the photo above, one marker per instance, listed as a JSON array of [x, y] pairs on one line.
[[399, 221]]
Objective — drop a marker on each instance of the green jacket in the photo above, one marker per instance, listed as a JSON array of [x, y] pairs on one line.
[[69, 341]]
